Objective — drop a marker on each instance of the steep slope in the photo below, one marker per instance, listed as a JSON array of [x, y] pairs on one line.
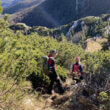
[[6, 3], [21, 5], [22, 80], [54, 13], [49, 13], [89, 26], [91, 32]]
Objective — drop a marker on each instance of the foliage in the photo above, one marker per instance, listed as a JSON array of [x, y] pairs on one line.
[[62, 72], [106, 46], [104, 99], [6, 17], [97, 67], [87, 27], [20, 55], [20, 59], [19, 27], [1, 9]]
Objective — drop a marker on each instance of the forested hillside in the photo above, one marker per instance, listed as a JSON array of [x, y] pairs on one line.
[[90, 32], [20, 56], [54, 13], [20, 5], [23, 83], [6, 3]]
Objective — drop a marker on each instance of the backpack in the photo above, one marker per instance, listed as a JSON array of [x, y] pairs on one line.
[[76, 72], [76, 69], [45, 64]]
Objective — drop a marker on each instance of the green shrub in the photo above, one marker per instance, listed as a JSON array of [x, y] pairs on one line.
[[103, 98], [62, 72], [20, 57]]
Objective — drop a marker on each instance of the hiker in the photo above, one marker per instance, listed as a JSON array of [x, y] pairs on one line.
[[77, 70], [53, 74]]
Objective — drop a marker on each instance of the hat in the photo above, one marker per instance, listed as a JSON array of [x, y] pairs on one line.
[[77, 58], [53, 51]]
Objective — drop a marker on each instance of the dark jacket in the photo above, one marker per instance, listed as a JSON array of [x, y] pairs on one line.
[[52, 66], [80, 67]]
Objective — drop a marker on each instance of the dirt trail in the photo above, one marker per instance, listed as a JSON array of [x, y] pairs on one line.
[[77, 97]]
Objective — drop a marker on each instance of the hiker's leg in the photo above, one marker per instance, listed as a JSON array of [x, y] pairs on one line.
[[78, 80], [59, 83], [51, 84], [75, 79], [81, 78]]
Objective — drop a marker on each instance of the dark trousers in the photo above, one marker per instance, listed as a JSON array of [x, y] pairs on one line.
[[79, 79], [53, 79]]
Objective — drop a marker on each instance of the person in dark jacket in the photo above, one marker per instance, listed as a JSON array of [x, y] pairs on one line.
[[77, 70], [53, 74]]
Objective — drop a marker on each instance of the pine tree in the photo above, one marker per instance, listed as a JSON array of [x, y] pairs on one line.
[[1, 9]]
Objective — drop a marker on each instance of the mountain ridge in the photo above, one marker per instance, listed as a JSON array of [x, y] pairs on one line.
[[21, 5], [54, 13], [8, 3]]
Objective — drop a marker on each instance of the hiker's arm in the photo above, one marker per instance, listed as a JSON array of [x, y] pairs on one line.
[[81, 70], [55, 73], [73, 68]]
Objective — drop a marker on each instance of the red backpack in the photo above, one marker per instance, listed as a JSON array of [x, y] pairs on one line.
[[50, 61], [77, 69]]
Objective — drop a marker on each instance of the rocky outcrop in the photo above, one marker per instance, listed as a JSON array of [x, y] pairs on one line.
[[94, 44], [20, 26]]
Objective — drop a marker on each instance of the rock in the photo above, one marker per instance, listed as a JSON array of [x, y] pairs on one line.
[[83, 100], [91, 107], [19, 26], [61, 99], [94, 44], [87, 103]]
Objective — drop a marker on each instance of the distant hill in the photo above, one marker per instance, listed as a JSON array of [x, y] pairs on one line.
[[6, 3], [76, 31], [54, 13], [20, 5]]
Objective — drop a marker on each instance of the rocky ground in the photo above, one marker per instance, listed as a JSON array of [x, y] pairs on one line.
[[77, 97]]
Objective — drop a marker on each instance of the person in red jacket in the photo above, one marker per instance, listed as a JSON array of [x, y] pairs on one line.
[[53, 75], [77, 70]]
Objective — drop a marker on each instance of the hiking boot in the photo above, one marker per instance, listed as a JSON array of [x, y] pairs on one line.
[[62, 91], [51, 92]]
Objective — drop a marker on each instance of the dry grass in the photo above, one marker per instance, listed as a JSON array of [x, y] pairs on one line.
[[94, 44]]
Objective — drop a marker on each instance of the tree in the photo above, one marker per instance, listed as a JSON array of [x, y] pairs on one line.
[[6, 17], [106, 45], [1, 9]]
